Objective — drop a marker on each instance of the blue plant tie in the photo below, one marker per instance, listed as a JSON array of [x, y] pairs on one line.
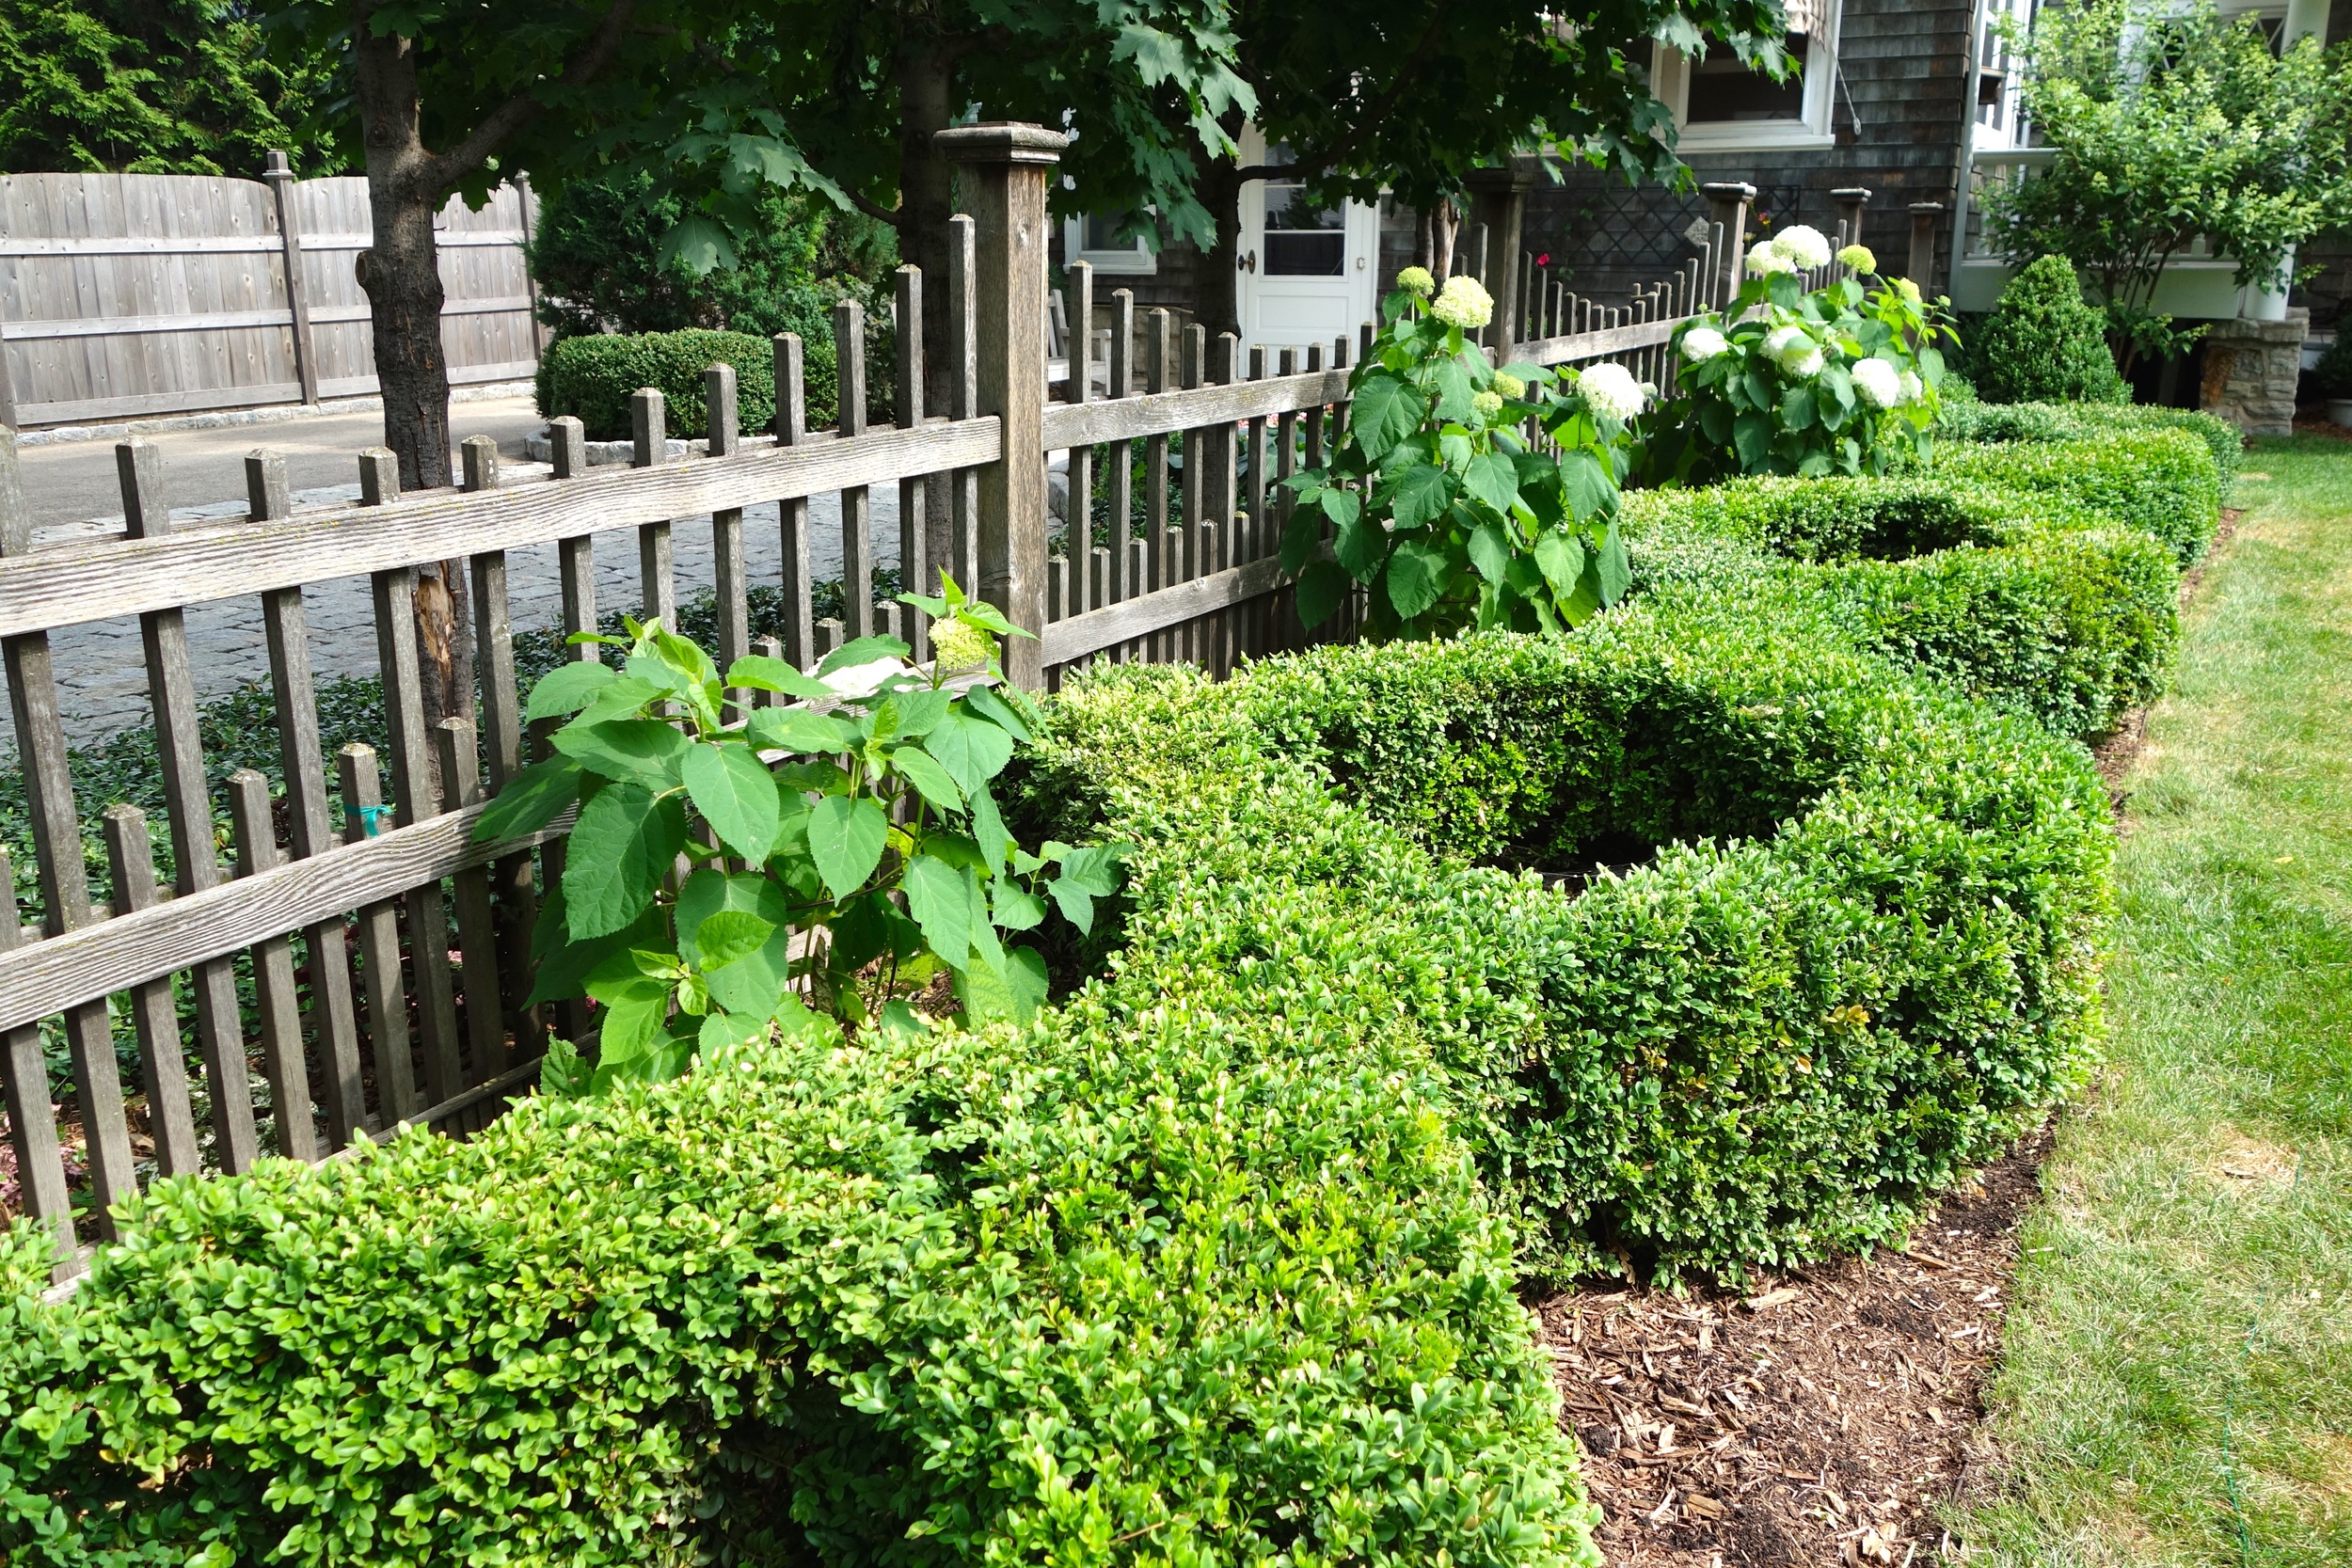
[[371, 818]]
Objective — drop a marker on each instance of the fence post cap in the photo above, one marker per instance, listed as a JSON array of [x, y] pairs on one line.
[[1000, 141], [1516, 173], [276, 167], [1739, 188], [1926, 209], [1856, 193]]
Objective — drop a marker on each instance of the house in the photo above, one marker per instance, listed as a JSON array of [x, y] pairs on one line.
[[1912, 102]]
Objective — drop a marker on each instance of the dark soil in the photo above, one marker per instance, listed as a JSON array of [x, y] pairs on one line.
[[1817, 1417]]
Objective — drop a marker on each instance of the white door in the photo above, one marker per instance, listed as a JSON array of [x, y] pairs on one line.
[[1305, 271]]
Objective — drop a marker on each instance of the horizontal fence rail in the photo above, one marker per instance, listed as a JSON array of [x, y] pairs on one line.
[[326, 954]]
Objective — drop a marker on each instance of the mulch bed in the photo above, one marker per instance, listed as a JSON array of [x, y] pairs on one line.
[[1817, 1418]]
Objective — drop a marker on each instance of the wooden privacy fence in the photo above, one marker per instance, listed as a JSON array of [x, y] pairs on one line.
[[358, 967], [130, 296]]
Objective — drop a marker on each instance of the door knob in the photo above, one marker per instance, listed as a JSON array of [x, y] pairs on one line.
[[1247, 263]]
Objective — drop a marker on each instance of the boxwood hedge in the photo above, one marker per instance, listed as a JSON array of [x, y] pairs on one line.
[[1163, 1284], [2033, 603], [1970, 420], [2164, 483], [1836, 937], [591, 379]]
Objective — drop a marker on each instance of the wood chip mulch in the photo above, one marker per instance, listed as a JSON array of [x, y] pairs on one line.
[[1817, 1417]]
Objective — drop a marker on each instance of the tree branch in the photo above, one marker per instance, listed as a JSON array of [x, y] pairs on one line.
[[874, 210], [445, 170]]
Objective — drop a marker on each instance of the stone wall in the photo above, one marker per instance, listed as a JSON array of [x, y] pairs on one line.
[[2250, 371]]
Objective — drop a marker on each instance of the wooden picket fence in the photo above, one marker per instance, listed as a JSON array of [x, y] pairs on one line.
[[360, 968]]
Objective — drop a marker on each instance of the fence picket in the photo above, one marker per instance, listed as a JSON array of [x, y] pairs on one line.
[[857, 520], [799, 641], [163, 1071], [32, 1120], [914, 572], [1078, 493], [282, 1062], [389, 1040], [723, 433], [454, 745]]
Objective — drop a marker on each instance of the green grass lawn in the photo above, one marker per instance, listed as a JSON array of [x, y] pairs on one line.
[[2177, 1382]]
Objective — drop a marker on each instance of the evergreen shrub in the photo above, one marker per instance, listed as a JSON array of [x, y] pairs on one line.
[[2043, 608], [2164, 483], [1996, 423], [2043, 343], [591, 379], [1827, 936], [1215, 1281]]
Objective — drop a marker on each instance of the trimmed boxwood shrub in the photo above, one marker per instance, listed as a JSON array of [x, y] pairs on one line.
[[592, 377], [2088, 422], [2036, 605], [2044, 342], [1837, 939], [2162, 481], [1216, 1283]]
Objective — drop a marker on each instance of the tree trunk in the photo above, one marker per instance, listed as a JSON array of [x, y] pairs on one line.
[[402, 275], [1217, 303], [1445, 227], [926, 200]]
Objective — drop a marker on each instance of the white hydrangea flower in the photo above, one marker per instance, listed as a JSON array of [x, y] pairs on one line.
[[1879, 384], [1861, 257], [961, 645], [1783, 342], [1488, 405], [1768, 259], [1509, 385], [1909, 290], [1703, 342], [1464, 302], [1611, 389], [1416, 280], [1914, 389], [1805, 366], [1804, 244]]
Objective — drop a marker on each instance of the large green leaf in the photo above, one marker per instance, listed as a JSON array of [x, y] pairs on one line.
[[1751, 437], [737, 796], [730, 935], [1013, 992], [1382, 411], [929, 779], [1617, 571], [970, 748], [941, 905], [531, 799], [1454, 390], [846, 834], [622, 698], [1588, 485], [1342, 506], [1494, 478], [622, 847], [759, 673], [710, 891], [1323, 587], [1560, 556], [1420, 495], [1361, 546], [988, 832], [567, 689], [799, 730], [1418, 573], [643, 752], [863, 650], [1490, 550]]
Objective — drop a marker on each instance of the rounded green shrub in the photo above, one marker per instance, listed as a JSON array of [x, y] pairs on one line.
[[1828, 936], [1220, 1281], [2043, 343], [2164, 483], [591, 379], [2039, 606], [2000, 422]]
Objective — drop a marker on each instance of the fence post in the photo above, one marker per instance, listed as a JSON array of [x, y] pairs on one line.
[[1922, 268], [8, 395], [1727, 204], [1851, 199], [1498, 205], [1006, 166], [281, 177]]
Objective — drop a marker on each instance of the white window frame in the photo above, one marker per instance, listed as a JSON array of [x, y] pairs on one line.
[[1135, 261], [1813, 130]]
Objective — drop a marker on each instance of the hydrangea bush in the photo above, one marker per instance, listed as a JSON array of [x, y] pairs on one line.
[[1838, 380], [1434, 501]]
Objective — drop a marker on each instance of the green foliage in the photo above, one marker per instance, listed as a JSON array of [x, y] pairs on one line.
[[1838, 380], [2161, 482], [1126, 1286], [878, 847], [597, 256], [593, 378], [2171, 124], [2045, 609], [1436, 505], [2043, 344], [2333, 374], [1997, 423], [1829, 936], [176, 87]]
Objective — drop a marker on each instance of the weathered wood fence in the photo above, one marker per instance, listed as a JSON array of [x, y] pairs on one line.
[[349, 974], [131, 296]]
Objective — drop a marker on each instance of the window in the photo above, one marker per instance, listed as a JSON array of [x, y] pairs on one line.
[[1301, 240], [1721, 103], [1094, 237]]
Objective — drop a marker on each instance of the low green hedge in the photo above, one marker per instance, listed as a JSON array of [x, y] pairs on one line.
[[2165, 482], [592, 377], [1167, 1284], [2038, 605], [1999, 423], [1839, 940]]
